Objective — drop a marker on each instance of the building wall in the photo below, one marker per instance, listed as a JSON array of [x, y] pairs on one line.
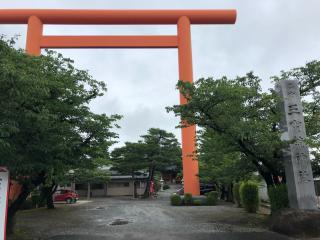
[[112, 188], [120, 188]]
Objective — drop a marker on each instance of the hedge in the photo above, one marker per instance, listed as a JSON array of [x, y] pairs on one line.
[[197, 202], [175, 200], [212, 198], [187, 199], [249, 194], [278, 196]]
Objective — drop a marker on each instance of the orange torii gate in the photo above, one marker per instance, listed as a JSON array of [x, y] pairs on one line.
[[35, 18]]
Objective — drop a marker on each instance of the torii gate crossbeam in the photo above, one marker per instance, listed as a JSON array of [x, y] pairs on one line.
[[35, 18]]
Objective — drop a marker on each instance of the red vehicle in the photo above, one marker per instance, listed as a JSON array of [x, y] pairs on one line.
[[67, 196]]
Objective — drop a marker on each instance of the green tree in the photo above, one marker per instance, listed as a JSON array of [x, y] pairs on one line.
[[162, 150], [157, 150], [221, 163], [247, 119], [129, 159], [46, 126]]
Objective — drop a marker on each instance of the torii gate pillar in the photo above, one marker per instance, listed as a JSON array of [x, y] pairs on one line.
[[190, 164]]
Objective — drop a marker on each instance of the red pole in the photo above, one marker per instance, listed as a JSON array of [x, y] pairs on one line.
[[34, 34], [190, 164]]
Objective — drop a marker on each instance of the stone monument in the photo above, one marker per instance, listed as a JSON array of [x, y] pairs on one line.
[[297, 163]]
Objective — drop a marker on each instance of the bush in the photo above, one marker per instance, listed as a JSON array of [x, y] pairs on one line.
[[212, 198], [166, 186], [187, 199], [175, 200], [197, 202], [278, 196], [249, 194], [236, 194]]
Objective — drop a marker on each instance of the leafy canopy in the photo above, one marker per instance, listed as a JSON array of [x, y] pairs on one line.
[[157, 150], [236, 113], [46, 125]]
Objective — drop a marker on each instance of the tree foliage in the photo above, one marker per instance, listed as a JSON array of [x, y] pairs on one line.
[[246, 119], [157, 150], [221, 163], [97, 175], [46, 126]]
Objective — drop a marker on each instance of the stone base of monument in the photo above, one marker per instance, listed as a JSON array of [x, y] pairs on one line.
[[296, 223]]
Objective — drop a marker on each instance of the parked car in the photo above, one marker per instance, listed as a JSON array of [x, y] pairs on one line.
[[204, 188], [180, 191], [67, 196]]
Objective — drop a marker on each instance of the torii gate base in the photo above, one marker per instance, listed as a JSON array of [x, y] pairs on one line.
[[183, 18]]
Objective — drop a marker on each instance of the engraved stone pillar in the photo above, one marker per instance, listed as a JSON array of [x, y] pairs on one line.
[[297, 164]]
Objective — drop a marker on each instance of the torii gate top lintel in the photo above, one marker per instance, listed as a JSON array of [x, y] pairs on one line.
[[130, 17], [36, 18]]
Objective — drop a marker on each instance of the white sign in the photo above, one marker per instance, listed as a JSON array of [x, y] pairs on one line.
[[4, 188]]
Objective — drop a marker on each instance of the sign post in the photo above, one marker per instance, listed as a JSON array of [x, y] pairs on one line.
[[4, 193], [297, 163]]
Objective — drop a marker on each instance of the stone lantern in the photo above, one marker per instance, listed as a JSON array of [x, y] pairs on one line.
[[161, 184]]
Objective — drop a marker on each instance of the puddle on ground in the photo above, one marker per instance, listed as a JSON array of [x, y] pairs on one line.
[[100, 208], [119, 221]]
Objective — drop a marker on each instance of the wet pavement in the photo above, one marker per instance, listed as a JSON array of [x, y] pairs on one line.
[[126, 218]]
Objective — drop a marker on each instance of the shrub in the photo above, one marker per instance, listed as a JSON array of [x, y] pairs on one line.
[[249, 194], [197, 202], [166, 186], [236, 194], [212, 198], [187, 199], [278, 196], [175, 200]]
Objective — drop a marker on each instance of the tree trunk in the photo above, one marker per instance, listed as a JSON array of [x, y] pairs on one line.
[[147, 190], [89, 191], [134, 189], [223, 191], [267, 178], [229, 193], [15, 206], [50, 204], [47, 193]]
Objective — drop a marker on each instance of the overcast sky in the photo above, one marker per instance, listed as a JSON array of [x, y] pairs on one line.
[[269, 36]]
